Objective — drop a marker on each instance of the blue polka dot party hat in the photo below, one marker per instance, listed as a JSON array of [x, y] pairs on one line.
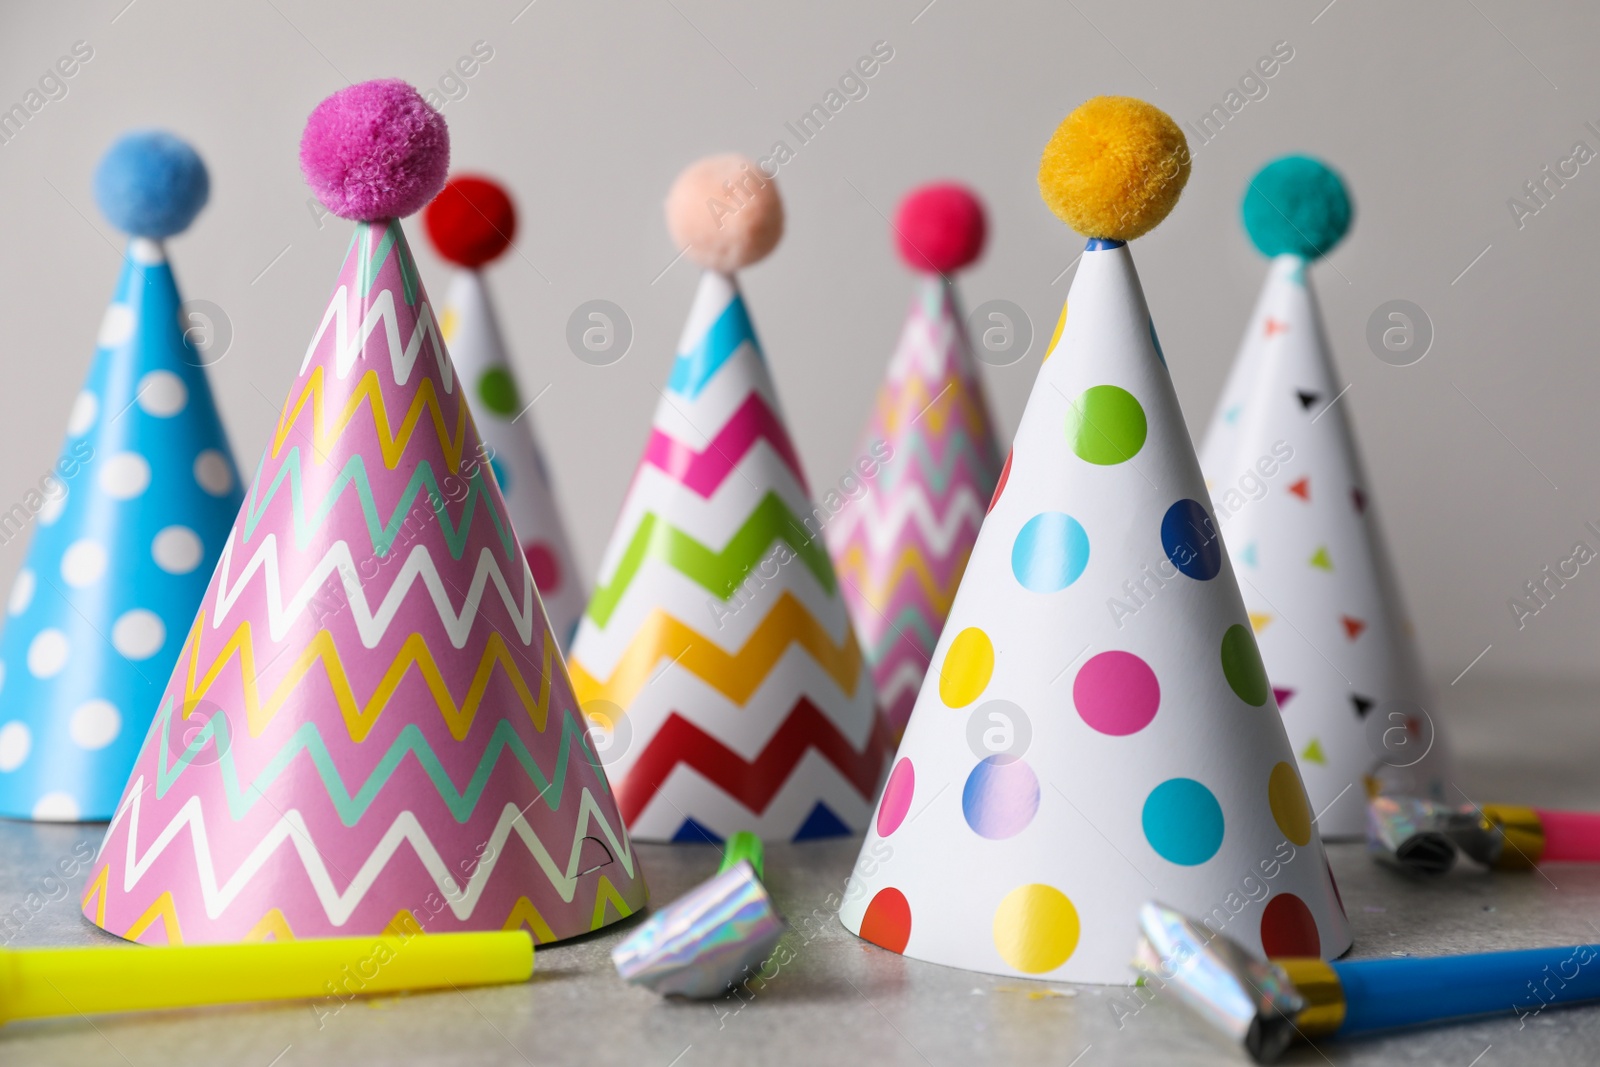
[[126, 527], [1294, 501], [1096, 729]]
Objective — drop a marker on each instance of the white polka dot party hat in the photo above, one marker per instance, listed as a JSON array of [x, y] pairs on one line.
[[716, 656], [126, 525], [1096, 729], [1292, 497], [471, 222]]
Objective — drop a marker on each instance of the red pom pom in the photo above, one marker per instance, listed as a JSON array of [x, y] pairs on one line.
[[940, 228], [471, 221]]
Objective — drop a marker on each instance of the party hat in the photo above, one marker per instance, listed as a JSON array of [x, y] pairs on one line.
[[1097, 728], [471, 222], [901, 547], [717, 656], [1292, 497], [130, 519], [369, 728]]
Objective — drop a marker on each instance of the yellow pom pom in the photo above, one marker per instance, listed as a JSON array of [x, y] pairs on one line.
[[1114, 168]]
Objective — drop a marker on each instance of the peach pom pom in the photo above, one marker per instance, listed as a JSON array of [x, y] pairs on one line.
[[725, 213]]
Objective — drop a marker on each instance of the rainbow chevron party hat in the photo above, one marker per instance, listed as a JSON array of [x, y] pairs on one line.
[[1293, 499], [130, 519], [369, 727], [717, 655], [471, 222], [902, 547], [1065, 761]]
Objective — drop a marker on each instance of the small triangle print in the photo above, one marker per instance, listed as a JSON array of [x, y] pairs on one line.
[[1359, 498], [1362, 704], [1259, 620], [1307, 399], [1302, 489], [1275, 326], [822, 823], [692, 833], [1352, 627], [1247, 554], [1312, 753], [1320, 559], [1281, 696], [1232, 414]]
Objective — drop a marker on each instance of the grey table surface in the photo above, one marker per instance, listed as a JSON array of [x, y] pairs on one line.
[[842, 1001]]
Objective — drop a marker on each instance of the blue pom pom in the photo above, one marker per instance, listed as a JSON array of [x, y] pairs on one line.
[[1297, 205], [151, 184]]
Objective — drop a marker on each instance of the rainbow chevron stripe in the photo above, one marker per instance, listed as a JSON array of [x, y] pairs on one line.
[[369, 725], [901, 549], [716, 641]]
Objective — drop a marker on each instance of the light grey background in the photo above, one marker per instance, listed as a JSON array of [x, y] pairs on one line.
[[1482, 454]]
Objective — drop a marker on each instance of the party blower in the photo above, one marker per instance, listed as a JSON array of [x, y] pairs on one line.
[[703, 942], [1424, 836], [42, 982], [1265, 1005]]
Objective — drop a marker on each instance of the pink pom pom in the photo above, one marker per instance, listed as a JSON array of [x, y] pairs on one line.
[[375, 151], [725, 213], [939, 228]]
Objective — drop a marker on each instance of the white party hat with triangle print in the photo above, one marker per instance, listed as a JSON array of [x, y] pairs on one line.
[[1096, 729], [1295, 505]]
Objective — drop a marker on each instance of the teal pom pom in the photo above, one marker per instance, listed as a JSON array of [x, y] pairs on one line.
[[151, 184], [1296, 205]]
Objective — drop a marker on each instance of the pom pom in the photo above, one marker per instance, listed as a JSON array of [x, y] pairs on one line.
[[151, 184], [725, 213], [940, 228], [1297, 205], [471, 221], [375, 151], [1114, 168]]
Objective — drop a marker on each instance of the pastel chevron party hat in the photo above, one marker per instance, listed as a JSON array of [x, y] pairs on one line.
[[369, 727], [1293, 499], [130, 519], [472, 222], [902, 546], [1071, 756], [717, 656]]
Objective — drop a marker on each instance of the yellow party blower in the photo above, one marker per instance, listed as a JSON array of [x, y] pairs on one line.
[[40, 982]]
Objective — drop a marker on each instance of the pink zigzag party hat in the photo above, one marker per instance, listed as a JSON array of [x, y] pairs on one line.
[[370, 726], [902, 548]]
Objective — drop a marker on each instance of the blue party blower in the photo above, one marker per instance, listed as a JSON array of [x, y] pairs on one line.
[[1264, 1006]]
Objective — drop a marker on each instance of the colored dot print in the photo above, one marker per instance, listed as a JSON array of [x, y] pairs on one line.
[[545, 567], [1290, 808], [1183, 821], [1000, 486], [1000, 798], [1050, 552], [1116, 693], [1106, 425], [1036, 928], [1055, 338], [896, 797], [887, 922], [1191, 541], [498, 391], [1288, 928], [967, 667], [1162, 356], [1242, 666]]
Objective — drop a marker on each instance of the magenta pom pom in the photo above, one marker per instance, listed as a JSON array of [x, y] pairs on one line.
[[375, 151], [939, 228]]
